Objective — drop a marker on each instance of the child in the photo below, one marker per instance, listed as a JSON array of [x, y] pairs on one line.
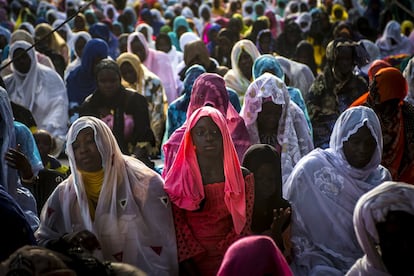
[[46, 144]]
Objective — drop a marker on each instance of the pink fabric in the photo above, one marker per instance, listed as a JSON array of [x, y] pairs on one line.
[[158, 63], [128, 124], [184, 184], [210, 89], [254, 255]]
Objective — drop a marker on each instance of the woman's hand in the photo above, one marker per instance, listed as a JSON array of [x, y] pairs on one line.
[[280, 217], [17, 160], [83, 239]]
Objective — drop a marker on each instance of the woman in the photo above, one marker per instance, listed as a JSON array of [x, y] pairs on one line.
[[137, 77], [156, 61], [209, 90], [271, 212], [20, 162], [335, 89], [81, 82], [255, 255], [115, 197], [177, 110], [386, 97], [243, 55], [78, 43], [268, 63], [212, 200], [324, 188], [272, 118], [180, 26], [53, 45], [124, 111], [393, 42], [39, 89], [384, 220]]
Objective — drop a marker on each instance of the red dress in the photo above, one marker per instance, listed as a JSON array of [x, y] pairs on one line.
[[205, 235]]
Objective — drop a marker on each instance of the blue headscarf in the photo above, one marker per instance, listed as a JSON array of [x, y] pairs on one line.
[[81, 81], [102, 31]]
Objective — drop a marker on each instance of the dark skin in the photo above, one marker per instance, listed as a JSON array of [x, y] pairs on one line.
[[268, 118], [17, 160], [359, 148], [245, 64], [21, 61], [396, 242], [208, 143], [138, 48]]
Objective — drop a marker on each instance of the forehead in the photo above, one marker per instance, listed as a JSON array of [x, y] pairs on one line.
[[84, 133], [205, 121]]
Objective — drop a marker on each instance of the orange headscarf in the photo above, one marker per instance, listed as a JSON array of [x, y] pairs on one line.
[[391, 84]]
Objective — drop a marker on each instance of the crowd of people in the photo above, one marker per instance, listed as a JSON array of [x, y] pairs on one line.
[[207, 137]]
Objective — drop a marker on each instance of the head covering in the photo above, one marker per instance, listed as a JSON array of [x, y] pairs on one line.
[[210, 89], [149, 31], [24, 83], [391, 84], [408, 74], [141, 71], [293, 134], [191, 74], [21, 35], [81, 81], [304, 21], [158, 63], [371, 209], [340, 9], [299, 74], [131, 196], [348, 123], [186, 38], [267, 63], [179, 21], [373, 53], [196, 52], [234, 77], [375, 67], [393, 42], [332, 187], [184, 184], [254, 255], [64, 27]]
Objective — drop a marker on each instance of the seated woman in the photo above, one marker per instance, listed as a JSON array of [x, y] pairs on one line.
[[324, 188], [254, 255], [115, 197], [271, 212], [272, 118], [335, 89], [384, 223], [39, 89], [209, 90], [212, 199], [124, 111], [269, 64], [386, 97], [137, 77]]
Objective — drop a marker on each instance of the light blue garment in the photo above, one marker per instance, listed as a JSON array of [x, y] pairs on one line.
[[9, 130]]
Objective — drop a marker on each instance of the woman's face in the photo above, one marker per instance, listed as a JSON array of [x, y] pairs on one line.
[[207, 139], [268, 118], [245, 64], [21, 61], [87, 155], [344, 63], [79, 45], [360, 148], [108, 82], [128, 73], [138, 48], [265, 179]]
